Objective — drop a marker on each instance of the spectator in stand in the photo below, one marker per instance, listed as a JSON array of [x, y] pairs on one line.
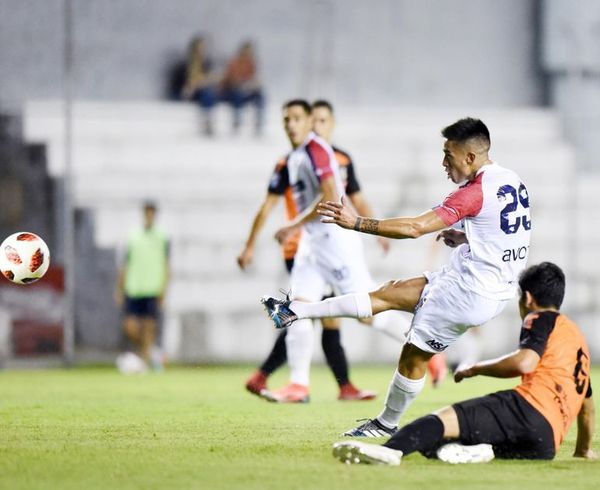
[[201, 82], [240, 86]]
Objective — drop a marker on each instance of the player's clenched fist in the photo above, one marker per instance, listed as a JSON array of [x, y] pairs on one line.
[[463, 372]]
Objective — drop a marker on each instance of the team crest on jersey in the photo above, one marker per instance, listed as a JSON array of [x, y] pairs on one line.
[[435, 345]]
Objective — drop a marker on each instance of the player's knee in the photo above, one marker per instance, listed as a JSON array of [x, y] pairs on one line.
[[449, 419], [330, 323], [381, 297], [386, 286]]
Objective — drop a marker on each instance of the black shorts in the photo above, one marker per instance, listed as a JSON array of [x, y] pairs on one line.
[[509, 423], [142, 306]]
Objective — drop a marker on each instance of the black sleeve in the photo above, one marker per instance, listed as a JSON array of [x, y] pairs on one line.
[[589, 390], [352, 184], [280, 180], [536, 329]]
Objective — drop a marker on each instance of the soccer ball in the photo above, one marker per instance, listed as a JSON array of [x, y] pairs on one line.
[[24, 258], [130, 363]]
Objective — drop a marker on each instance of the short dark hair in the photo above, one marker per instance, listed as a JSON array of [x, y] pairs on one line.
[[466, 129], [322, 103], [150, 205], [545, 282], [299, 102]]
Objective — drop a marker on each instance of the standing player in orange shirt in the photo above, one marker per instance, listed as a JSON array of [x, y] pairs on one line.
[[323, 125], [527, 422]]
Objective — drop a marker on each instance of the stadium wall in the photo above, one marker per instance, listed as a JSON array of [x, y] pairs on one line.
[[429, 53]]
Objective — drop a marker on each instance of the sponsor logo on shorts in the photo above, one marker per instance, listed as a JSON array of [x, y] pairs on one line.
[[435, 345]]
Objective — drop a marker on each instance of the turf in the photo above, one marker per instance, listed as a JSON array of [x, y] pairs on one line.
[[197, 428]]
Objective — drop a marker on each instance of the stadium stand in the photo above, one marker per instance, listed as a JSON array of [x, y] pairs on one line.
[[208, 189]]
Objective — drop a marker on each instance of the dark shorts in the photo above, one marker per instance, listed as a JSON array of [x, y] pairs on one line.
[[142, 306], [509, 423]]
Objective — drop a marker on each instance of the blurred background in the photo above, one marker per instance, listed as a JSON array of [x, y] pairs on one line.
[[95, 120]]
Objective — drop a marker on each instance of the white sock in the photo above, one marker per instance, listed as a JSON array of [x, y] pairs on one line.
[[299, 344], [357, 305], [401, 393], [393, 324]]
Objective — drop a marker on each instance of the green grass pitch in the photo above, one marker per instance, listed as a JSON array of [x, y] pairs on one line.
[[198, 428]]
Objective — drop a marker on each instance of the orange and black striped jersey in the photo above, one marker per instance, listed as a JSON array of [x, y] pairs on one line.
[[280, 185], [560, 382]]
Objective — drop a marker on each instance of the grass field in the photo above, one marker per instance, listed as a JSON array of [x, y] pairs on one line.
[[198, 428]]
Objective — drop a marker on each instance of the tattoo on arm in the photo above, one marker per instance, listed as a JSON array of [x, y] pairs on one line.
[[367, 225]]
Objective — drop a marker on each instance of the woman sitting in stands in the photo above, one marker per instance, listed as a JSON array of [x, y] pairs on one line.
[[240, 85], [201, 82]]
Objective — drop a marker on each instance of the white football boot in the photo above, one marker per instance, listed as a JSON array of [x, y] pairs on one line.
[[456, 453], [354, 452]]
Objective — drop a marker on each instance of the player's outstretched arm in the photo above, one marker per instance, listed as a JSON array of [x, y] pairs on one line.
[[363, 207], [586, 420], [511, 365], [247, 254], [342, 215]]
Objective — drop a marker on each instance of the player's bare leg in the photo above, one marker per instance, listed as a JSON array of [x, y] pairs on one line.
[[147, 337], [400, 295], [433, 430], [409, 379], [132, 329], [426, 435]]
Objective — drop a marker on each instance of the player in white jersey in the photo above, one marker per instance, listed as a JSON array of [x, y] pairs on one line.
[[492, 206], [327, 257]]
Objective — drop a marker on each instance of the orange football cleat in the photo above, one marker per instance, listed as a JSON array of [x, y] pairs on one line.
[[291, 393], [349, 392]]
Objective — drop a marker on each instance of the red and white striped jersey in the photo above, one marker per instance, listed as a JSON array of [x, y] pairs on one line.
[[494, 210]]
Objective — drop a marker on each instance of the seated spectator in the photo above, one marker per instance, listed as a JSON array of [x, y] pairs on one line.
[[240, 85], [200, 81]]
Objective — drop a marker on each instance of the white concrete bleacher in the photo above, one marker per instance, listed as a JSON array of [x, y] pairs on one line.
[[209, 189]]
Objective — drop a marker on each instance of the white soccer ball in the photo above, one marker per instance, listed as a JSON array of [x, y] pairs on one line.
[[130, 363], [24, 257]]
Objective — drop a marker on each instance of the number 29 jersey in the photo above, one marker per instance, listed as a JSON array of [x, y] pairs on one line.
[[494, 211]]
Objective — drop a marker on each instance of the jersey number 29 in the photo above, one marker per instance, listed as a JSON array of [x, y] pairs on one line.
[[508, 221]]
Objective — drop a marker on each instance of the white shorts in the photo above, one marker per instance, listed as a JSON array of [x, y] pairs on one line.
[[333, 261], [446, 310]]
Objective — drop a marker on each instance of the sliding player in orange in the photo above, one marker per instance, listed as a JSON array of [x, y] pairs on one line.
[[527, 422]]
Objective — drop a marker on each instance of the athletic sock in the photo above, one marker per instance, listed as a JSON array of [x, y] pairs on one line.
[[357, 305], [277, 356], [393, 324], [401, 393], [335, 355], [424, 435], [299, 343]]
